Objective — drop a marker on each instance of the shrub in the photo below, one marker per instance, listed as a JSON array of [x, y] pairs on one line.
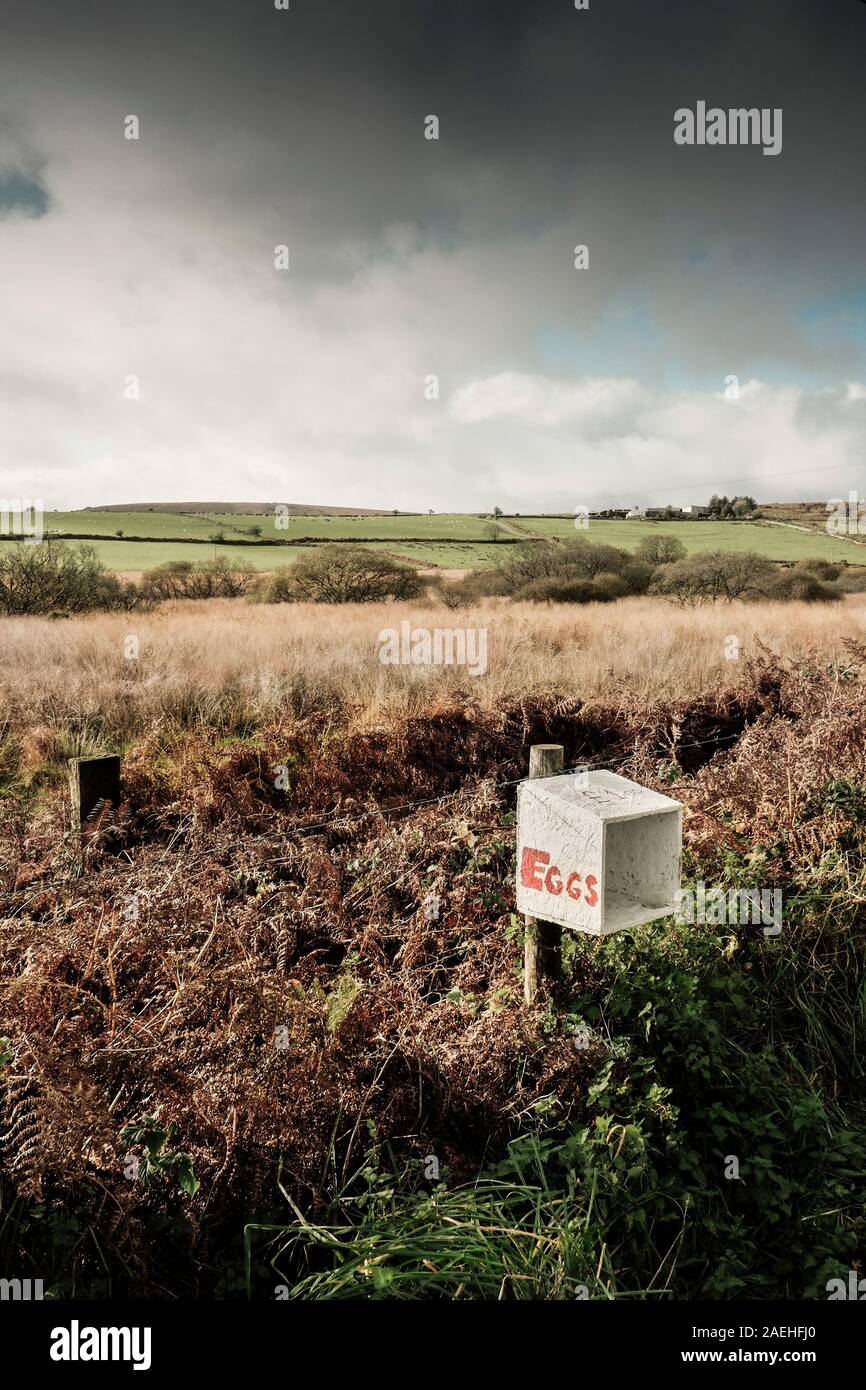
[[524, 564], [660, 550], [457, 593], [344, 574], [55, 578], [560, 591], [853, 580], [822, 569], [220, 578], [638, 576], [572, 560], [607, 586], [713, 575], [718, 575], [791, 585], [474, 587], [582, 557], [481, 584]]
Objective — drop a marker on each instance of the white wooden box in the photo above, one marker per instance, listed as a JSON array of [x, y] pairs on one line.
[[596, 852]]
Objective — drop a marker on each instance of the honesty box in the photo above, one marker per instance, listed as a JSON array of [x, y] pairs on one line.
[[596, 852]]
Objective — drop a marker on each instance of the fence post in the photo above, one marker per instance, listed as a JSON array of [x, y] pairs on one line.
[[92, 780], [542, 940]]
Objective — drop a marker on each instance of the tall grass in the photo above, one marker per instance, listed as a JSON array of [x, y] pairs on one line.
[[224, 661]]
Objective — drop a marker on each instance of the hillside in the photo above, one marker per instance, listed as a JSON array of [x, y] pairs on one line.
[[239, 508], [131, 540]]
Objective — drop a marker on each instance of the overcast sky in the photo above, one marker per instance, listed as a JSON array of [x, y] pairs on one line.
[[412, 257]]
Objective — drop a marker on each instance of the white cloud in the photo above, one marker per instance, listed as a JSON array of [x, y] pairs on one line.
[[660, 445], [590, 405]]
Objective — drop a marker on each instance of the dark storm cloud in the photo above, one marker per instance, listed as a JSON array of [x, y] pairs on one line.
[[550, 118], [333, 89]]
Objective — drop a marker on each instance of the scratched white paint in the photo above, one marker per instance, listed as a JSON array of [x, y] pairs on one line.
[[596, 852]]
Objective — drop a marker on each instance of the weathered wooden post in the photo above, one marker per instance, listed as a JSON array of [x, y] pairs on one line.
[[91, 781], [542, 942]]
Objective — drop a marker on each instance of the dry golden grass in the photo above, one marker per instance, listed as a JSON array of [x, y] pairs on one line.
[[198, 661]]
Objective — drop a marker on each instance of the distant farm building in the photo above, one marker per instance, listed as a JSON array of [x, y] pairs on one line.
[[690, 513]]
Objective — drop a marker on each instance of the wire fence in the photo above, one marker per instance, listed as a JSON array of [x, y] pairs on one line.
[[344, 820]]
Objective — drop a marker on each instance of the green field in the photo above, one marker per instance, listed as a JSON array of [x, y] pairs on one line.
[[188, 526], [775, 542], [134, 556], [450, 541]]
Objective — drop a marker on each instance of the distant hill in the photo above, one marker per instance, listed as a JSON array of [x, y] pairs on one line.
[[242, 508]]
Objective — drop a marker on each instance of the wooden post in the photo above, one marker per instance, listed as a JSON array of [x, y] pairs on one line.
[[92, 780], [542, 940]]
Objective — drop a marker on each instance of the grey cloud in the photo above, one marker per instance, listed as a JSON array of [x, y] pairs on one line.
[[410, 257]]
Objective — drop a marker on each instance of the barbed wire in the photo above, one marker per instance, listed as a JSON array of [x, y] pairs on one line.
[[341, 820]]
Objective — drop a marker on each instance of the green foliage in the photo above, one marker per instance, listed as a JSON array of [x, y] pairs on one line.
[[554, 590], [802, 587], [697, 1055], [731, 507], [722, 575], [821, 569], [343, 993], [660, 549], [575, 571], [159, 1159], [840, 795]]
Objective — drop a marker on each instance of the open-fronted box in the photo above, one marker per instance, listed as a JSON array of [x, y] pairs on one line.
[[596, 852]]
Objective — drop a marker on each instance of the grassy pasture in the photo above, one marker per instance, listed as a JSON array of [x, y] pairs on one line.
[[134, 556], [450, 541], [189, 526], [775, 542], [159, 525]]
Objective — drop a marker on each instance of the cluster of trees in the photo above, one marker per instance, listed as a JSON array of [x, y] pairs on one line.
[[713, 575], [54, 579], [574, 572], [343, 574], [580, 572], [731, 506], [219, 578], [58, 579]]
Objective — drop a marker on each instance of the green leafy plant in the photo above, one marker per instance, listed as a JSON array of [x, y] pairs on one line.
[[159, 1159]]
